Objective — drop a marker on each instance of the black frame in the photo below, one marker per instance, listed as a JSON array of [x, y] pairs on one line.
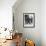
[[33, 19]]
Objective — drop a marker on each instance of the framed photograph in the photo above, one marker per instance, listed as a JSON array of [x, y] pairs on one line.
[[29, 20], [13, 22]]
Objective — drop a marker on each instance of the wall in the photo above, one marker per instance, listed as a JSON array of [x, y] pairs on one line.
[[6, 13], [43, 22], [29, 6]]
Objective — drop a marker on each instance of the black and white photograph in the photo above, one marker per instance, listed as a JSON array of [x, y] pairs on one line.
[[29, 20]]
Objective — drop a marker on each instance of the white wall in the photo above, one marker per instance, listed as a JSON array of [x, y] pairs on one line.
[[6, 13], [43, 22], [29, 6]]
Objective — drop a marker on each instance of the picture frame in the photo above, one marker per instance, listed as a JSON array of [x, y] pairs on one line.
[[13, 22], [29, 20]]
